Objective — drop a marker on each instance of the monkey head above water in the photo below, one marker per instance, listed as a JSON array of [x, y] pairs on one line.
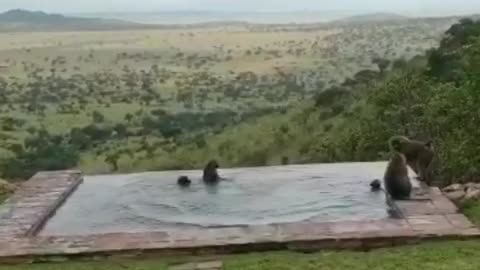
[[376, 185], [419, 156], [184, 181], [210, 174], [396, 180]]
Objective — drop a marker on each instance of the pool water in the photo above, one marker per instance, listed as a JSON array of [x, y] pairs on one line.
[[250, 196]]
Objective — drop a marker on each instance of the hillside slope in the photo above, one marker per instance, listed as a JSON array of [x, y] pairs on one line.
[[433, 96]]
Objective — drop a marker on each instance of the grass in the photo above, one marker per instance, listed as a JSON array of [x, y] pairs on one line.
[[458, 255], [472, 211], [438, 256]]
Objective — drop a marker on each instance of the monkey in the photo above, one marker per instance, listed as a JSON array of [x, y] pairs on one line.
[[376, 185], [419, 156], [210, 174], [396, 180], [184, 181]]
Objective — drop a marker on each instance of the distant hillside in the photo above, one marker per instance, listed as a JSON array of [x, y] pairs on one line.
[[23, 20], [374, 17]]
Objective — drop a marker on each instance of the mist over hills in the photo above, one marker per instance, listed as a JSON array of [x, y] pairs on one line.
[[37, 20], [24, 20]]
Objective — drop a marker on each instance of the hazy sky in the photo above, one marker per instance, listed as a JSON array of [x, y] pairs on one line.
[[401, 6]]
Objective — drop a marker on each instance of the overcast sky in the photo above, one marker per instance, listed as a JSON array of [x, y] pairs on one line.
[[400, 6]]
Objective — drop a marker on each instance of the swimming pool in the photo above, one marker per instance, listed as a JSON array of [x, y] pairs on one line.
[[251, 196]]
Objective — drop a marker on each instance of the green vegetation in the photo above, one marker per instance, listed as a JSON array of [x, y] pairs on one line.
[[124, 101], [434, 96], [145, 100], [155, 102]]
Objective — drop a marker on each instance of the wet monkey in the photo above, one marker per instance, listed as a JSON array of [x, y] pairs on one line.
[[184, 181], [210, 174]]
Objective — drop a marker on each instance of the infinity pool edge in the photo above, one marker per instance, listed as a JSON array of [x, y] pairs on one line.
[[23, 215]]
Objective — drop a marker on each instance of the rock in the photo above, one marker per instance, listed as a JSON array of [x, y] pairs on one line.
[[6, 187], [453, 188], [472, 186], [456, 196], [472, 194]]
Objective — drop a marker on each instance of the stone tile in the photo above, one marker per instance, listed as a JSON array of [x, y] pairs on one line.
[[235, 235], [435, 191], [419, 194], [416, 208], [28, 208], [429, 223], [262, 233], [459, 221], [304, 231], [471, 232], [444, 205], [370, 227]]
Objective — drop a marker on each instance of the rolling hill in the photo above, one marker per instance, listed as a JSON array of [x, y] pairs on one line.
[[23, 20]]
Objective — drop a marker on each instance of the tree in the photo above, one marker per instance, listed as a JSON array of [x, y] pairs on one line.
[[129, 117], [98, 117], [382, 64], [112, 159], [41, 153]]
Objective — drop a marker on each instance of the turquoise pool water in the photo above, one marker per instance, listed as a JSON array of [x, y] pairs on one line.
[[251, 196]]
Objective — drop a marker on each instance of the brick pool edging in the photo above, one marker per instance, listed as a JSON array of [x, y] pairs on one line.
[[430, 216], [26, 211]]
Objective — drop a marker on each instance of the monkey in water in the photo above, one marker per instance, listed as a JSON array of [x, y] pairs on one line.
[[210, 174], [419, 156], [184, 181], [396, 180], [376, 185]]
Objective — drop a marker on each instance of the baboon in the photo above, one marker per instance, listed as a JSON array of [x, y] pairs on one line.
[[210, 174], [419, 156], [184, 181], [376, 185], [396, 180]]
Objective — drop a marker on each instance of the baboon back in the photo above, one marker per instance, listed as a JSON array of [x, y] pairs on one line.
[[396, 180]]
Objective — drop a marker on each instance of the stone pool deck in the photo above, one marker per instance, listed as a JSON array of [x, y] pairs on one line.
[[429, 216]]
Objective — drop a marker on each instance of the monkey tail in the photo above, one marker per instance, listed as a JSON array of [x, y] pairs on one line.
[[391, 203]]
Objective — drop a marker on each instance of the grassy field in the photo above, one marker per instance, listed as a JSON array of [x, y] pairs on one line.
[[58, 81]]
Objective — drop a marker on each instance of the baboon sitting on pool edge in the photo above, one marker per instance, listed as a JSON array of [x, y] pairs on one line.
[[210, 174], [419, 156], [396, 180]]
